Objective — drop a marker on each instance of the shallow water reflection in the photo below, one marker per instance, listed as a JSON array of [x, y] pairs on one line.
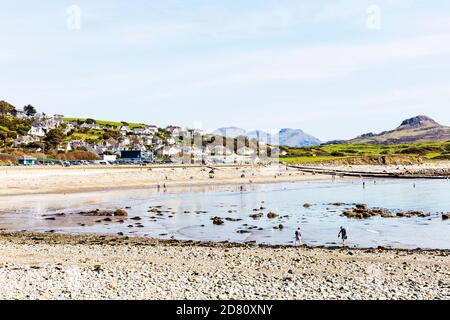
[[187, 215]]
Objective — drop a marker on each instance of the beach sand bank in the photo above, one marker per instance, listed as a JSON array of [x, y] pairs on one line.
[[44, 180]]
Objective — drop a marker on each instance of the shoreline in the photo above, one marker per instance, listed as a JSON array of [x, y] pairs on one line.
[[55, 266], [26, 237]]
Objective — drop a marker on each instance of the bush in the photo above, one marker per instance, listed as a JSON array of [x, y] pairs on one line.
[[420, 150], [337, 154], [350, 151], [442, 157], [90, 121]]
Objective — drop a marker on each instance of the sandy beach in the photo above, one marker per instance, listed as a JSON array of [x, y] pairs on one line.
[[51, 266], [43, 180]]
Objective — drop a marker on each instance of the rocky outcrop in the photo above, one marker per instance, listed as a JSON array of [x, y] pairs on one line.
[[362, 211], [105, 213]]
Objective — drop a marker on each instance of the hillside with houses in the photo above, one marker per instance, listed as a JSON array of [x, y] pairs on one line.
[[28, 137]]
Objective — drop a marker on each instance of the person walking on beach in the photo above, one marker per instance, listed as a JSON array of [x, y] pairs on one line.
[[343, 235], [298, 237]]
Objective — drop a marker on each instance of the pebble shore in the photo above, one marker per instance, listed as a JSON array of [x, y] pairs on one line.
[[56, 266]]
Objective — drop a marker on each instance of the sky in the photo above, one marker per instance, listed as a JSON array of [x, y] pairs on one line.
[[335, 69]]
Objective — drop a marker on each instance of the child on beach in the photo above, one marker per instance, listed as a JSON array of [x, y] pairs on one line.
[[343, 234], [298, 237]]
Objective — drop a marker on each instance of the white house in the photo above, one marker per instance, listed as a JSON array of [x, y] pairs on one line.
[[169, 141], [147, 140], [77, 144], [124, 130], [66, 146], [38, 116], [123, 142], [68, 128], [90, 126], [37, 131], [174, 130], [111, 158], [245, 151], [152, 128], [20, 114], [141, 131], [58, 119], [170, 151], [157, 140], [24, 140]]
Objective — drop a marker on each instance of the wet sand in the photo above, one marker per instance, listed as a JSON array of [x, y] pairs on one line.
[[51, 266], [45, 180]]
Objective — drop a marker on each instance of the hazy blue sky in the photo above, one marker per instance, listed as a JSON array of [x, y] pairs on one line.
[[315, 65]]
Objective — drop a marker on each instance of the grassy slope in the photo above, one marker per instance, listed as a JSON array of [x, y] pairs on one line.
[[107, 123], [428, 150]]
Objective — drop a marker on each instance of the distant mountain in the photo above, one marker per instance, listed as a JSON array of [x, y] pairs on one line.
[[296, 138], [230, 132], [413, 130], [260, 136], [285, 137]]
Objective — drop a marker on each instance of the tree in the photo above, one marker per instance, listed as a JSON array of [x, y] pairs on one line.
[[30, 110], [90, 121], [6, 108], [53, 139]]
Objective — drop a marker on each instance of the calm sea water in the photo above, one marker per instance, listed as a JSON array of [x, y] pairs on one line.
[[189, 213]]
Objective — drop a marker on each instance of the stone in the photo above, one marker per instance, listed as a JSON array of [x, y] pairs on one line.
[[361, 206], [233, 219], [272, 215], [121, 213], [217, 221]]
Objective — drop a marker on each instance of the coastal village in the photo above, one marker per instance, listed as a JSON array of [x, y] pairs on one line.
[[44, 139]]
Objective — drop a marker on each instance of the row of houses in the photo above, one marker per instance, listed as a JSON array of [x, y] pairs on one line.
[[181, 144]]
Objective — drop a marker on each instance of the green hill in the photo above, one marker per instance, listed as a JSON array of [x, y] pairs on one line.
[[329, 152], [414, 130]]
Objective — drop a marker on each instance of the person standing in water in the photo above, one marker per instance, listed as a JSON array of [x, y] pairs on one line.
[[298, 237], [343, 235]]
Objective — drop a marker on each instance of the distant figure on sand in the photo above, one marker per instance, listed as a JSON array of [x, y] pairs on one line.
[[298, 237], [343, 235]]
